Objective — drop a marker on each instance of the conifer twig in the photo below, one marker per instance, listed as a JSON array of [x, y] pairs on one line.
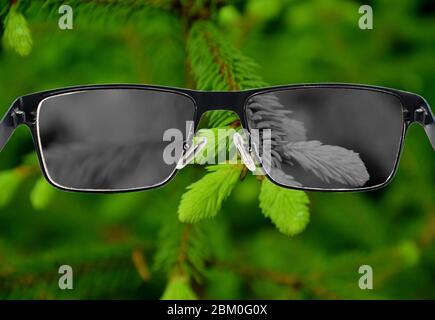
[[293, 281]]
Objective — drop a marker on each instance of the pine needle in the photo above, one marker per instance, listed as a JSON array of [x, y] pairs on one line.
[[204, 198], [329, 162], [288, 209]]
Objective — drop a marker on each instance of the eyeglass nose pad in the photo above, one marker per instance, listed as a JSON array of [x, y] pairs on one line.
[[256, 154], [190, 152], [245, 154]]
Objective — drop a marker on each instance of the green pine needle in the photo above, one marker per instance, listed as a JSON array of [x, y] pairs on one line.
[[183, 247], [222, 118], [178, 288], [204, 198], [288, 209], [216, 64], [17, 34]]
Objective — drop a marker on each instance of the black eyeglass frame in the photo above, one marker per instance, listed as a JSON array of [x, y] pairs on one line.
[[24, 110]]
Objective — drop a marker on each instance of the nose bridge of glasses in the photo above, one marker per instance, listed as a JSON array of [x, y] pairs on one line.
[[230, 101]]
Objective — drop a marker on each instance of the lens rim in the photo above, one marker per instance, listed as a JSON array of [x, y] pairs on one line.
[[68, 91], [405, 126]]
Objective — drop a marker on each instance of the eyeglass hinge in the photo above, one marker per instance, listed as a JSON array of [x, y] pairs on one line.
[[18, 116], [420, 115]]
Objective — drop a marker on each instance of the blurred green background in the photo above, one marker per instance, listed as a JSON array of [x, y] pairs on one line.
[[111, 241]]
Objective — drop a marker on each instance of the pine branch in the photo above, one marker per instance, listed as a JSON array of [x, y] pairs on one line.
[[16, 32], [204, 198], [124, 6], [251, 272], [179, 288], [387, 262], [216, 64], [223, 119], [288, 209], [181, 254], [328, 162], [181, 248], [122, 11], [219, 146], [266, 112], [143, 13], [289, 143], [36, 277]]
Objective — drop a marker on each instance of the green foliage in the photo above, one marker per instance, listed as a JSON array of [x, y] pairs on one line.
[[42, 194], [216, 64], [219, 144], [204, 198], [179, 288], [410, 253], [17, 34], [107, 265], [222, 119], [182, 249], [288, 209], [264, 9], [9, 183], [110, 12], [228, 15]]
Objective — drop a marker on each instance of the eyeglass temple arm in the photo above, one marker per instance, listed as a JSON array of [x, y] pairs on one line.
[[430, 131], [7, 126], [425, 117]]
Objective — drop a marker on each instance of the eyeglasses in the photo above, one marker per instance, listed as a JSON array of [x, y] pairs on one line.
[[326, 137]]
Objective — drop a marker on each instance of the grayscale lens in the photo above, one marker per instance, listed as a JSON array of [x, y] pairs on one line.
[[111, 139], [328, 138]]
